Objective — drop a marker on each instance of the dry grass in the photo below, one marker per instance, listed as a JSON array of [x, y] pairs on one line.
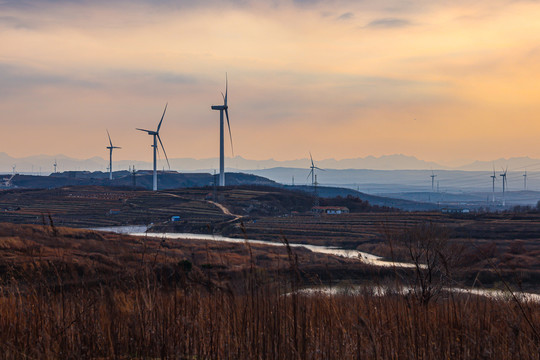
[[152, 321], [148, 303]]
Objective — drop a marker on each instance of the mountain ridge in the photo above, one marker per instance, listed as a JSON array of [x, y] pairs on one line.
[[44, 163]]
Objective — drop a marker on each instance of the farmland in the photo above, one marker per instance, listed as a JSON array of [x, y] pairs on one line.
[[510, 242]]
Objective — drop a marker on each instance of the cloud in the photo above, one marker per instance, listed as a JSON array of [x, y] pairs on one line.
[[14, 22], [346, 16], [17, 78], [387, 23]]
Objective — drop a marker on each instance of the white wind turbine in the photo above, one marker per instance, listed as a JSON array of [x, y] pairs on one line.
[[156, 136], [223, 108], [493, 178], [312, 171], [110, 155], [504, 184]]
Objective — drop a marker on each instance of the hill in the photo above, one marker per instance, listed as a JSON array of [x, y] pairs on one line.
[[141, 179]]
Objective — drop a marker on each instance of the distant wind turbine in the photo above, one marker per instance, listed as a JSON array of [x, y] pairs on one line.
[[432, 180], [493, 178], [156, 136], [110, 155], [223, 108], [525, 180], [55, 164], [504, 184], [312, 172]]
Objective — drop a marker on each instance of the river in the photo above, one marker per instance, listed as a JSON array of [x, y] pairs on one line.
[[353, 254]]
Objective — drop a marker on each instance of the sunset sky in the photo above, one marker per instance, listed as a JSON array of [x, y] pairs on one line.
[[445, 81]]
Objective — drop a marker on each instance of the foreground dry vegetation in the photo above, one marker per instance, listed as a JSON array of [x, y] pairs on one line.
[[70, 294]]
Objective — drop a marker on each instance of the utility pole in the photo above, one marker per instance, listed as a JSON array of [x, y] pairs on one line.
[[315, 193], [214, 184]]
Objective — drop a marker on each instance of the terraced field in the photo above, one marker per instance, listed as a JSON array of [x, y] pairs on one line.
[[511, 241], [96, 206]]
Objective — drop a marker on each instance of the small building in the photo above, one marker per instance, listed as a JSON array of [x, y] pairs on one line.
[[175, 218], [330, 210]]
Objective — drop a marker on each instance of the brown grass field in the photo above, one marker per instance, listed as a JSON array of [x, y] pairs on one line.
[[76, 294]]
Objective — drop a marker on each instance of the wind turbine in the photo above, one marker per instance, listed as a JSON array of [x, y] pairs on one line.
[[156, 136], [110, 154], [312, 172], [223, 108], [504, 184], [55, 164], [493, 178], [432, 180], [525, 181]]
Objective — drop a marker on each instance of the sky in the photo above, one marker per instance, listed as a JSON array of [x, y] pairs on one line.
[[445, 81]]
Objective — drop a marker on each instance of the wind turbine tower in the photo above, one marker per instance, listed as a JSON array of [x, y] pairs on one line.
[[504, 186], [493, 178], [525, 180], [432, 180], [223, 108], [55, 164], [110, 154], [156, 136]]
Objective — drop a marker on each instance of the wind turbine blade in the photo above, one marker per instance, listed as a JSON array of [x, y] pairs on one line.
[[148, 131], [226, 90], [229, 126], [315, 167], [307, 177], [110, 142], [164, 152], [311, 157], [162, 116]]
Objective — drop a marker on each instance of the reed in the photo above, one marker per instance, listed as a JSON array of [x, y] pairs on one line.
[[47, 311]]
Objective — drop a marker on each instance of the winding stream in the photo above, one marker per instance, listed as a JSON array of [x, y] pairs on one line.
[[352, 254]]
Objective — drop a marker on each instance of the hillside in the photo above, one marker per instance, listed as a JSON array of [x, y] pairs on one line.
[[141, 179]]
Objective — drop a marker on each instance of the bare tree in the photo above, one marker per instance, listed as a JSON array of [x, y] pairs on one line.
[[434, 259]]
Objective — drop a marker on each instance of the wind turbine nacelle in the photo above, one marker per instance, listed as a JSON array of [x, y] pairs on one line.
[[218, 107]]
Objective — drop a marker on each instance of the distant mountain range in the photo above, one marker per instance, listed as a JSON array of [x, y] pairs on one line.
[[44, 164]]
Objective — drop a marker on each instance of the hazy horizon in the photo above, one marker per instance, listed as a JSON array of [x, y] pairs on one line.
[[384, 162]]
